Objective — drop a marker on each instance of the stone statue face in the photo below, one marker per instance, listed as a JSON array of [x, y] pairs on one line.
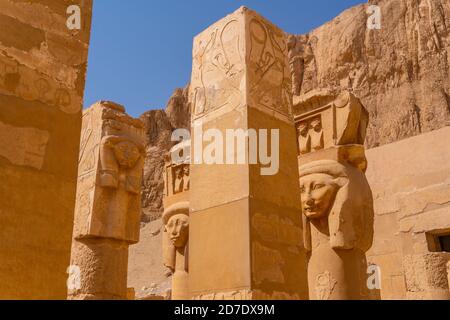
[[316, 125], [178, 230], [318, 193], [303, 129], [179, 173]]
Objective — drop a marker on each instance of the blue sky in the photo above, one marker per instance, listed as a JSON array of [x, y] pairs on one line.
[[141, 50]]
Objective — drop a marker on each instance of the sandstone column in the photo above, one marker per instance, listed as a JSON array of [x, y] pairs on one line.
[[337, 200], [108, 206], [42, 77], [176, 220], [245, 223]]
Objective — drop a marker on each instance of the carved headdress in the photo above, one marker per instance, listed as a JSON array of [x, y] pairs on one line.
[[335, 129]]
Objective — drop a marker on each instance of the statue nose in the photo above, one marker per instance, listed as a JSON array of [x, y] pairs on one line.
[[310, 201]]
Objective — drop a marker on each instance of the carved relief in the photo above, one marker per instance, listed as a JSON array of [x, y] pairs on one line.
[[180, 176], [175, 247], [325, 285], [108, 203], [218, 69], [21, 81], [237, 295], [268, 71], [268, 265], [341, 195], [223, 55], [111, 161], [325, 120], [176, 219], [336, 199], [310, 135], [242, 295], [23, 146]]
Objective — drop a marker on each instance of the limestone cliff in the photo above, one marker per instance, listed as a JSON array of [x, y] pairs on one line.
[[159, 125], [400, 72]]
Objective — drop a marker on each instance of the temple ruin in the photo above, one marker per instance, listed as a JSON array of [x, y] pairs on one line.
[[97, 205]]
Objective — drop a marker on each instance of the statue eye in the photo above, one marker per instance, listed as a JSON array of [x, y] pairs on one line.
[[302, 189], [318, 186]]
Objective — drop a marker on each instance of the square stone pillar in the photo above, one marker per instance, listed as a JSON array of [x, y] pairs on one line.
[[108, 205], [245, 223]]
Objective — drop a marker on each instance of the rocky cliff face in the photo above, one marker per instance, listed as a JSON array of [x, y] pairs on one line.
[[159, 125], [400, 72]]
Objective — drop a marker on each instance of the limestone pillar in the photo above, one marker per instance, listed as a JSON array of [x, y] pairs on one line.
[[176, 219], [42, 77], [245, 222], [337, 200], [108, 206]]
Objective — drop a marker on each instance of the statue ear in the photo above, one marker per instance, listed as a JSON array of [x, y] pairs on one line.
[[340, 181]]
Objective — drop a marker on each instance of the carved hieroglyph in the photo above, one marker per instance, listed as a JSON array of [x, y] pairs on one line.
[[337, 201], [232, 69], [245, 228], [176, 219], [107, 216]]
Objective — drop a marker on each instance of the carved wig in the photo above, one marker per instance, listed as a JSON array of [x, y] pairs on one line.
[[351, 215], [169, 250]]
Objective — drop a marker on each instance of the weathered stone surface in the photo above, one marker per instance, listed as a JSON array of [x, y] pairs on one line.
[[41, 92], [400, 72], [159, 125], [410, 184], [240, 81], [176, 219], [108, 207], [337, 202], [426, 276]]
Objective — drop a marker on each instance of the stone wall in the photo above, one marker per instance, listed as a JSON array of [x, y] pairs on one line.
[[410, 180], [42, 77]]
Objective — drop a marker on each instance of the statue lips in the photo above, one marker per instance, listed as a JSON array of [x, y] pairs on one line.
[[312, 211]]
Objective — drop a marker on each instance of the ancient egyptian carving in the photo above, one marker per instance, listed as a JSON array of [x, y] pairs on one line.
[[341, 195], [220, 62], [181, 179], [325, 120], [108, 206], [175, 247], [336, 199], [325, 285], [110, 172], [176, 218], [270, 80]]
